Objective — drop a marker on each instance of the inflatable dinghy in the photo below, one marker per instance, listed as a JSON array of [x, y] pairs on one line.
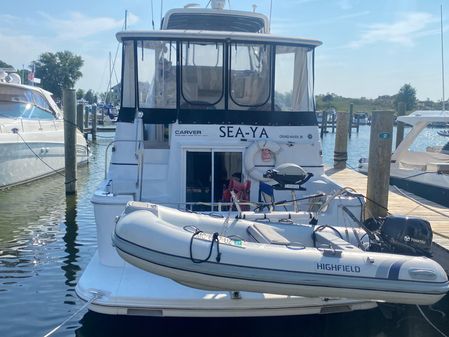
[[211, 252]]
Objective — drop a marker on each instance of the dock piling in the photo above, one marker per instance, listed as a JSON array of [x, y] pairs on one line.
[[379, 164], [341, 140], [80, 116], [323, 124], [69, 102], [94, 122], [351, 118], [400, 126]]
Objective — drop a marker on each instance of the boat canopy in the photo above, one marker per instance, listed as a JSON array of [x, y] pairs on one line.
[[425, 116], [206, 77]]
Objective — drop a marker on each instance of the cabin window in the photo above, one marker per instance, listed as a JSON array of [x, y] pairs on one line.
[[294, 79], [128, 83], [156, 64], [250, 76], [202, 75]]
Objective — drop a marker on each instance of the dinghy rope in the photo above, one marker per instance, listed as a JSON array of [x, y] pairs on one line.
[[214, 240], [96, 296]]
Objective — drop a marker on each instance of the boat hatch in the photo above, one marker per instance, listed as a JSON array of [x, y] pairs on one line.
[[217, 81]]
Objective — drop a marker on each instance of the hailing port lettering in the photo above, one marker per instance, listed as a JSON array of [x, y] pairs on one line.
[[338, 267], [235, 132]]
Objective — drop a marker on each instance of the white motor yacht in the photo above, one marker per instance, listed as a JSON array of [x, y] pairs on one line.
[[210, 103], [31, 133], [421, 170]]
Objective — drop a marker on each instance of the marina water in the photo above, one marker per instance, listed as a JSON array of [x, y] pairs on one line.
[[47, 239]]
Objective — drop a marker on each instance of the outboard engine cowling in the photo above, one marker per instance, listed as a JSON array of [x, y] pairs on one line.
[[406, 235]]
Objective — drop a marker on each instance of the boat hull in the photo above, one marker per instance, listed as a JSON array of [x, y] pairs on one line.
[[35, 156], [128, 290]]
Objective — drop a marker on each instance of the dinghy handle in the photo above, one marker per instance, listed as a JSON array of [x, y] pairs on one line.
[[214, 240]]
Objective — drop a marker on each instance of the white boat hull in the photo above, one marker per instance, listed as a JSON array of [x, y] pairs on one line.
[[37, 155], [128, 290]]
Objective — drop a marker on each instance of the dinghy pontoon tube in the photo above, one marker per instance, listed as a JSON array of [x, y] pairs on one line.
[[276, 258]]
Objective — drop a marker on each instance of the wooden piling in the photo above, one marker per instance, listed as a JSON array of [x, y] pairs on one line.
[[400, 125], [333, 122], [80, 116], [379, 164], [351, 117], [323, 123], [341, 140], [94, 122], [69, 102], [86, 118]]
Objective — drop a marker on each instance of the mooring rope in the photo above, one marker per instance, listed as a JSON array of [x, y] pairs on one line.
[[430, 323], [420, 203], [37, 156], [97, 295]]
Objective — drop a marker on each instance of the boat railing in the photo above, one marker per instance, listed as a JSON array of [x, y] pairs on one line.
[[106, 160]]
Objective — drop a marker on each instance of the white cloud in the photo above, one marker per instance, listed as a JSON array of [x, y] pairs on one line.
[[404, 31], [78, 25]]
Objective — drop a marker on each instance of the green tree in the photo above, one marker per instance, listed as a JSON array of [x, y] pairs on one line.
[[327, 99], [58, 70], [406, 94], [5, 65], [90, 97], [79, 94]]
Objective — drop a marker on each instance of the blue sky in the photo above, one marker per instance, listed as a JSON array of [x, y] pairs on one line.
[[370, 47]]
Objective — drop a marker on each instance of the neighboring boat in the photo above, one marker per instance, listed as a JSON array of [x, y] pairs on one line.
[[211, 104], [444, 133], [31, 134], [424, 173], [283, 258]]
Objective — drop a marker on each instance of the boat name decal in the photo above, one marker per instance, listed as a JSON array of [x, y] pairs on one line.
[[338, 267], [188, 132], [235, 132]]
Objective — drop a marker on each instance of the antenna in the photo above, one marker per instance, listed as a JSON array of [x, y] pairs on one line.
[[152, 14], [126, 19], [442, 52], [271, 9], [162, 6], [254, 8]]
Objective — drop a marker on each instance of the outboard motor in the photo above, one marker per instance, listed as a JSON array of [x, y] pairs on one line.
[[288, 177], [406, 235]]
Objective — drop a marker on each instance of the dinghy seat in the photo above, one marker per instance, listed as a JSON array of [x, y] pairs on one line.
[[265, 234]]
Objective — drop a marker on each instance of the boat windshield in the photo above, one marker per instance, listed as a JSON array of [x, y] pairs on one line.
[[21, 103], [174, 77]]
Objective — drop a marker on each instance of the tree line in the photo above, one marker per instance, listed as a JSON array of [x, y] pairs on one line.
[[57, 71]]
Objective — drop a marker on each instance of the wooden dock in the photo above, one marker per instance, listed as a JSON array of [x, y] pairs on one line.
[[401, 202]]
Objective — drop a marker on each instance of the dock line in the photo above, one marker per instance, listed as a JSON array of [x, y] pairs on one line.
[[430, 323], [418, 202], [97, 295]]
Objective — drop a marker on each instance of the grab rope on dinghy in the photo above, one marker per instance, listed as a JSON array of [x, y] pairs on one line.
[[214, 240]]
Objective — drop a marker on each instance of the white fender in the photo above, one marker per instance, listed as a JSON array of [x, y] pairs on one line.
[[250, 158]]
